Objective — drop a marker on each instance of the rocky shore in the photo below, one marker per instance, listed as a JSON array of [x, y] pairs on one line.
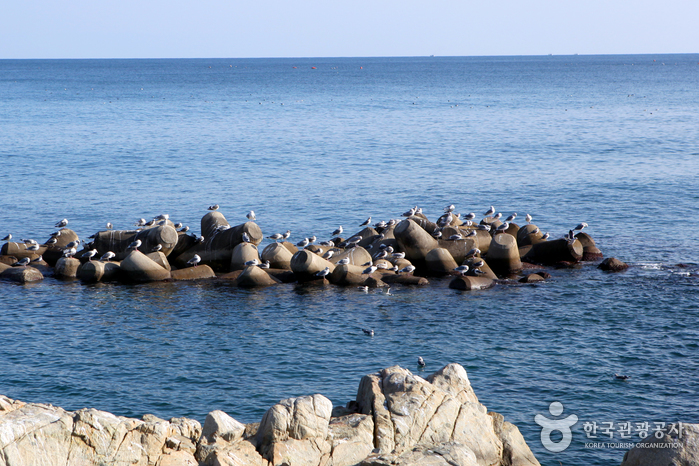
[[397, 418]]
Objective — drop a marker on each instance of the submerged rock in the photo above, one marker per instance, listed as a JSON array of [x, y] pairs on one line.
[[612, 264]]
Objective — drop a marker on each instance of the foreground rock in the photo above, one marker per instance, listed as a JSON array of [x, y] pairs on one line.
[[684, 449], [403, 420], [612, 264]]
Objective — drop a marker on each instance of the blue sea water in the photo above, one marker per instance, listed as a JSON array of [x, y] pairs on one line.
[[610, 140]]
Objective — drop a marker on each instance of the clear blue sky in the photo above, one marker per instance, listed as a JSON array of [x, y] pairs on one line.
[[310, 28]]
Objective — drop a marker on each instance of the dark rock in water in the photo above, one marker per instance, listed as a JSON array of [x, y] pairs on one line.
[[373, 282], [8, 260], [405, 279], [21, 274], [544, 275], [612, 264], [531, 278], [471, 283], [193, 273]]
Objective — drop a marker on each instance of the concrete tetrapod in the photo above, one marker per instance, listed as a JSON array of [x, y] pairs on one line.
[[306, 265], [503, 255], [66, 267], [440, 262], [98, 271], [356, 255], [590, 250], [278, 255], [140, 268], [243, 253], [253, 276], [551, 252], [526, 235], [467, 283], [414, 240], [217, 250], [21, 274]]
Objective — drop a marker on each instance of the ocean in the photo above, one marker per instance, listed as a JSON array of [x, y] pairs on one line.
[[311, 144]]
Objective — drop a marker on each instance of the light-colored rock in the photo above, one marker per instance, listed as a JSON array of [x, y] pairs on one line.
[[683, 449], [295, 431], [34, 434], [448, 454], [220, 424], [352, 439], [242, 253], [66, 267], [138, 267]]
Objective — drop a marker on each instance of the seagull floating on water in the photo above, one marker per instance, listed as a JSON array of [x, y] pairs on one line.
[[622, 377], [421, 362], [368, 332]]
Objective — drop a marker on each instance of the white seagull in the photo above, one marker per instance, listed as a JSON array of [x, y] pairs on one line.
[[107, 256], [62, 223], [323, 273], [194, 261]]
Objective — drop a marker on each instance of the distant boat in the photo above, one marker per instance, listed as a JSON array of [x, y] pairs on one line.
[[432, 56], [313, 68]]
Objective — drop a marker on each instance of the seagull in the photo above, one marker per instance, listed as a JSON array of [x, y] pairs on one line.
[[483, 227], [252, 262], [398, 255], [369, 270], [194, 261], [528, 218], [382, 265], [546, 235], [141, 222], [490, 211], [178, 225], [107, 256], [580, 226], [388, 291], [73, 244], [511, 218], [381, 224], [251, 216], [381, 254], [157, 248], [7, 238], [343, 261], [497, 216], [363, 288], [23, 262], [33, 247], [536, 231], [394, 268], [213, 207], [328, 254], [90, 254], [185, 229], [445, 219], [410, 213], [276, 236], [479, 272], [323, 273], [287, 234], [473, 252], [355, 239], [437, 234], [304, 243], [449, 208], [338, 231], [30, 241], [366, 222], [455, 237], [69, 252], [246, 237], [421, 362], [407, 269], [264, 265], [468, 223], [622, 377], [470, 216], [502, 227], [391, 222], [312, 239], [62, 223], [200, 239], [109, 225], [328, 244], [38, 259], [368, 332], [478, 264], [55, 234], [151, 223], [135, 245], [470, 233], [462, 269], [162, 217]]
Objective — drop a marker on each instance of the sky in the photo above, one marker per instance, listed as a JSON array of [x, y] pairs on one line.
[[310, 28]]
